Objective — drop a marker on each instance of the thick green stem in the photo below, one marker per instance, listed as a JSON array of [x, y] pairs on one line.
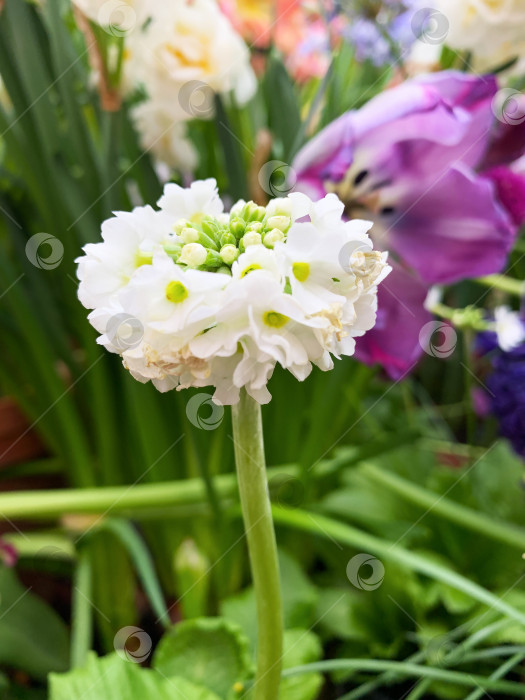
[[257, 515], [82, 613], [503, 283]]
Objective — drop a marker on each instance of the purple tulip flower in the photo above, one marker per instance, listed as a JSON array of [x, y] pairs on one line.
[[413, 161]]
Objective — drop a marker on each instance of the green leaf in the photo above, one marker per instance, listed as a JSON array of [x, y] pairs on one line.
[[33, 638], [301, 647], [211, 652], [299, 600], [231, 147], [143, 562], [113, 678], [113, 586], [284, 118]]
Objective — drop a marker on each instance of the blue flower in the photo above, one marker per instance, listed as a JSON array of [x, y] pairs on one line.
[[380, 32], [506, 386]]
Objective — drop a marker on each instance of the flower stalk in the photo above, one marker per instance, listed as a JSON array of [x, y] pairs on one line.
[[257, 516], [504, 284]]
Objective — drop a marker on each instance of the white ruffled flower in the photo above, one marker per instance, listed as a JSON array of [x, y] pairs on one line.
[[188, 40], [193, 203], [164, 137], [491, 29], [183, 313], [179, 52], [130, 238], [184, 53]]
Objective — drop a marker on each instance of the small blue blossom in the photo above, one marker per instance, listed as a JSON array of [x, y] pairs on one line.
[[506, 386], [380, 32]]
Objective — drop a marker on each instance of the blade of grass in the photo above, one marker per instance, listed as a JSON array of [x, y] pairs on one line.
[[143, 563], [82, 611], [411, 670]]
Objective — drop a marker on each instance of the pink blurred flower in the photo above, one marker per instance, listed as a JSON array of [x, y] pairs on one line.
[[295, 27]]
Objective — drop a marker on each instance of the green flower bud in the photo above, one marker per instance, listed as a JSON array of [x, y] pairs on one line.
[[209, 225], [193, 254], [189, 234], [237, 227], [251, 238], [229, 253], [208, 241], [228, 239], [192, 570], [255, 226], [252, 212], [213, 260], [280, 222], [272, 237], [180, 224]]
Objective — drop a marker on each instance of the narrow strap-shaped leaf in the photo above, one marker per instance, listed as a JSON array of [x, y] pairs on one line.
[[516, 690], [143, 562]]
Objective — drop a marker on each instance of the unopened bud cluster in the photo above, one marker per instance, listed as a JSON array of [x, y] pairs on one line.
[[215, 242]]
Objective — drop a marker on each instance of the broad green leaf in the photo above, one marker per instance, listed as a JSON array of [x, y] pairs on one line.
[[33, 638], [114, 678], [299, 600], [212, 652], [301, 647]]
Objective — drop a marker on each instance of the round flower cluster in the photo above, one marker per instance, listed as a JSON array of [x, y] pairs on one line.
[[193, 297]]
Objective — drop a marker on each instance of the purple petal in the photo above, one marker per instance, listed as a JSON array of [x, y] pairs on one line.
[[510, 188], [394, 343], [452, 230]]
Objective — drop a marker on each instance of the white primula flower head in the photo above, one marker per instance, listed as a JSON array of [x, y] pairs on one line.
[[191, 297]]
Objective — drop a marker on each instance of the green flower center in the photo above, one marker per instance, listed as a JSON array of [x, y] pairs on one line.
[[143, 259], [274, 319], [301, 271], [176, 292], [250, 268]]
